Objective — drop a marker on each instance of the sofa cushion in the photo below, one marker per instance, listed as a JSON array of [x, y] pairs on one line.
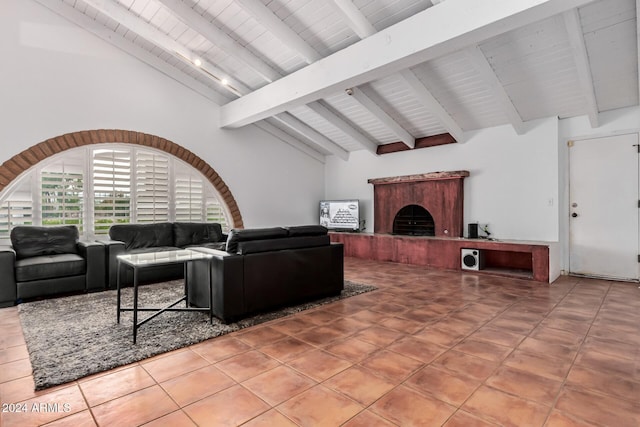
[[267, 245], [31, 241], [307, 230], [195, 233], [137, 236], [243, 235], [49, 267]]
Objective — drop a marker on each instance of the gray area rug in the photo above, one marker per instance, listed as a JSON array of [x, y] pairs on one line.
[[72, 337]]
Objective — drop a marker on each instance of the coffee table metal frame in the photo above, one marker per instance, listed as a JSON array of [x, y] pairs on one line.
[[140, 261]]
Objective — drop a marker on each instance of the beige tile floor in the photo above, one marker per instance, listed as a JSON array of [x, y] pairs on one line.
[[428, 348]]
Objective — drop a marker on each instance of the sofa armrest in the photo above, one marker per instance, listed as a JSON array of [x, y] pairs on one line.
[[112, 248], [227, 283], [93, 253], [8, 290]]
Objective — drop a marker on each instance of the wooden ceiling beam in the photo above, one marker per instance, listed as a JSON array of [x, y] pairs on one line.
[[382, 115], [453, 25], [488, 75], [424, 142], [267, 126], [73, 15], [289, 37], [219, 38], [137, 25], [429, 101], [363, 28], [355, 19], [576, 39], [282, 31], [323, 111], [311, 134]]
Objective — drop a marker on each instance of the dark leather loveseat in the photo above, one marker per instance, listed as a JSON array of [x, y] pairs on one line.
[[263, 269], [157, 237], [43, 261]]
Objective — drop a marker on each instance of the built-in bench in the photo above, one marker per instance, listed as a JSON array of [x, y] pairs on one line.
[[511, 258]]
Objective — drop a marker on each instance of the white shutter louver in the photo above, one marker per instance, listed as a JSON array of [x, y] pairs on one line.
[[111, 188], [13, 213], [189, 198], [152, 187], [62, 198], [216, 213]]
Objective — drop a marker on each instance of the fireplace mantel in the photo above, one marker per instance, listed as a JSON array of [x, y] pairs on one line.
[[440, 193], [431, 176]]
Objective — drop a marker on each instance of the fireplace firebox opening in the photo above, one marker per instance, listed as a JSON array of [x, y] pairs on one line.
[[414, 220]]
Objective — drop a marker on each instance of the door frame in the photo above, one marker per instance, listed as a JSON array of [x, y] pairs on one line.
[[563, 208]]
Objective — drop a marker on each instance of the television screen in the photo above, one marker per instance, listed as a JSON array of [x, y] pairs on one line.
[[340, 214]]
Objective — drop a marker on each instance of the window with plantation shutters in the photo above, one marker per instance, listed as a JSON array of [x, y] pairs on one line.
[[18, 209], [62, 195], [152, 187], [189, 200], [97, 186], [13, 213], [111, 188], [215, 212]]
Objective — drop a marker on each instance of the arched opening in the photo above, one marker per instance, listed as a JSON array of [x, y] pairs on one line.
[[414, 220], [46, 150]]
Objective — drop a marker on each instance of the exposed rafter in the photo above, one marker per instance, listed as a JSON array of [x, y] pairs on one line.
[[355, 19], [496, 88], [137, 25], [219, 38], [576, 38], [148, 32], [453, 25], [312, 135], [319, 108], [382, 115], [73, 15], [302, 48], [363, 28], [269, 127], [283, 32], [431, 103]]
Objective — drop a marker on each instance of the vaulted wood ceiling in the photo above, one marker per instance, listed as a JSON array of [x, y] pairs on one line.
[[335, 76]]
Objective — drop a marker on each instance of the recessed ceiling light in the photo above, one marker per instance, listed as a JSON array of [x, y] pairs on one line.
[[197, 62], [224, 82]]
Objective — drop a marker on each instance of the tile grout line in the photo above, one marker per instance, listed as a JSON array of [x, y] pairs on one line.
[[564, 380]]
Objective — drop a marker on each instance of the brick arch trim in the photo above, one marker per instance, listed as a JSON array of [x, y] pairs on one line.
[[13, 167]]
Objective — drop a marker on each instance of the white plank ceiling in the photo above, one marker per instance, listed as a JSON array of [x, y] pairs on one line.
[[543, 58]]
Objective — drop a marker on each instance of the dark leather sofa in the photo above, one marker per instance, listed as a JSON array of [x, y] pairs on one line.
[[43, 261], [263, 269], [157, 237]]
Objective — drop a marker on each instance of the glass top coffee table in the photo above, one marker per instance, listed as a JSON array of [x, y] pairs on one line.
[[140, 261]]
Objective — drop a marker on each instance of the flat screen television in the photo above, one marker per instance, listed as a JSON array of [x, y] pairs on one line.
[[340, 215]]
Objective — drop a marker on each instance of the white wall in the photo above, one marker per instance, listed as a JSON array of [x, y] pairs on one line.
[[513, 182], [56, 78]]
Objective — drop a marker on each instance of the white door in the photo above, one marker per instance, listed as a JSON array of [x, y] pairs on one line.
[[603, 198]]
